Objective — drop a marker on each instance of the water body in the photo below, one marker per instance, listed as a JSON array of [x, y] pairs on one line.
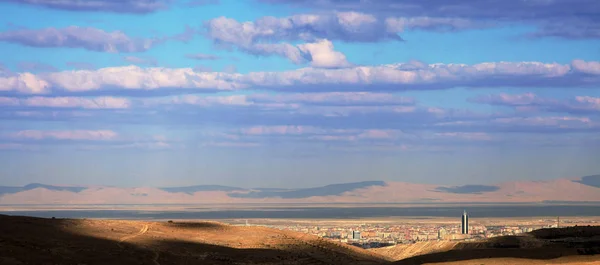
[[323, 212]]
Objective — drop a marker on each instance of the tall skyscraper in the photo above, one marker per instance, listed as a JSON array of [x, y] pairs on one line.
[[465, 223], [356, 235]]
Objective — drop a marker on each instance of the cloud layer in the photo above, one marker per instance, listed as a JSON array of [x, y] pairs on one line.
[[395, 77], [556, 18], [121, 6], [88, 38]]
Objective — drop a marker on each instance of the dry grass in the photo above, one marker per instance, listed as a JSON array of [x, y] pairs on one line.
[[26, 240]]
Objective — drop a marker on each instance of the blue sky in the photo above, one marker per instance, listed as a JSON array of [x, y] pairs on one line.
[[297, 93]]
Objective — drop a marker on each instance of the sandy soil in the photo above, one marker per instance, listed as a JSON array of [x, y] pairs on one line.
[[27, 240]]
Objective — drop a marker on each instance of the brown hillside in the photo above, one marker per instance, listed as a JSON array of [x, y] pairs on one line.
[[576, 245], [404, 251], [26, 240]]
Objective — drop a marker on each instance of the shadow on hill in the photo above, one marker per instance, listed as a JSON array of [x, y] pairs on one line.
[[567, 232], [28, 240], [469, 254], [543, 244], [195, 225]]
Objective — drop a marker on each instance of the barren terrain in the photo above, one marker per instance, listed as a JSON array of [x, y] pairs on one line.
[[27, 240]]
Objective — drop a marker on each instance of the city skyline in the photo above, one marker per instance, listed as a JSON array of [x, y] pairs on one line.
[[282, 94]]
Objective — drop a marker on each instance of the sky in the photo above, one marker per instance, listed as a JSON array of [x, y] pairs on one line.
[[282, 93]]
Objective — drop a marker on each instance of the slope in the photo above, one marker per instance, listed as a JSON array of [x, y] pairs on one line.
[[564, 245], [27, 240]]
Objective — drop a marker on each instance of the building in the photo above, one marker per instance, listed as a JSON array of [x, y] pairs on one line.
[[356, 235], [465, 223], [441, 234]]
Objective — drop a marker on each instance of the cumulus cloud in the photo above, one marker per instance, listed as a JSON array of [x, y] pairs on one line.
[[91, 135], [68, 102], [393, 77], [127, 77], [264, 36], [121, 6], [558, 18], [322, 55], [533, 124], [335, 98], [88, 38], [314, 104], [345, 26], [317, 133], [530, 101], [400, 24], [477, 136]]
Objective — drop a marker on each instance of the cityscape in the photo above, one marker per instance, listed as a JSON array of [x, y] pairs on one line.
[[374, 234]]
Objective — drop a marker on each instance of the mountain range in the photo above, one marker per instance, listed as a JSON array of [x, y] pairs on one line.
[[583, 189]]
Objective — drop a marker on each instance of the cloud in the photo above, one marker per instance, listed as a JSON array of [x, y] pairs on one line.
[[264, 36], [35, 67], [127, 77], [442, 24], [88, 38], [344, 26], [230, 144], [322, 55], [573, 28], [202, 56], [532, 124], [285, 130], [202, 2], [335, 98], [81, 65], [97, 135], [140, 60], [121, 6], [592, 68], [558, 18], [477, 136], [230, 69], [68, 102], [393, 77], [310, 104], [530, 101], [4, 71]]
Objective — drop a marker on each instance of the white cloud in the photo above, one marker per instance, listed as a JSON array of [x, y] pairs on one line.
[[68, 102], [94, 135], [323, 55], [399, 77]]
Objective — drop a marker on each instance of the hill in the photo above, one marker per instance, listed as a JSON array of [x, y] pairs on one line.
[[27, 240], [573, 245]]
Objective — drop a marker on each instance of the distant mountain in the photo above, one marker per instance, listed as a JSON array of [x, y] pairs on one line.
[[193, 189], [9, 190], [593, 181], [468, 189], [565, 190], [329, 190]]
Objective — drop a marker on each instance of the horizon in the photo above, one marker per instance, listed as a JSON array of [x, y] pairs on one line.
[[574, 179], [295, 94]]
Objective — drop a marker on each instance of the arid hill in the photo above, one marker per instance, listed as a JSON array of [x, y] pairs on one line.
[[28, 240], [573, 245]]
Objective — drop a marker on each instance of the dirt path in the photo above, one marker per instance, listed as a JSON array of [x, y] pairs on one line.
[[125, 238], [141, 232]]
